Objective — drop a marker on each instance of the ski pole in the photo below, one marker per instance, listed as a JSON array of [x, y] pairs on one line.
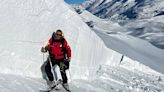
[[70, 74], [50, 60], [52, 70], [43, 57]]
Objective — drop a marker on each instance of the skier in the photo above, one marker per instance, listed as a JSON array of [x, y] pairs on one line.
[[59, 57]]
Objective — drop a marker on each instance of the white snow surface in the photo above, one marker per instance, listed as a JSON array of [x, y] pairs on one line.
[[26, 26], [143, 51]]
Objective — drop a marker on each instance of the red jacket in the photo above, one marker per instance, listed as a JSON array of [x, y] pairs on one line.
[[56, 49]]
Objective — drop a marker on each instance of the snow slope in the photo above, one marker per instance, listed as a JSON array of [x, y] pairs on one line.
[[140, 53], [150, 30], [113, 79], [143, 51], [26, 26]]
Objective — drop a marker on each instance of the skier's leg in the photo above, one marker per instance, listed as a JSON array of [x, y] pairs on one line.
[[51, 81], [63, 71], [64, 76], [48, 71], [65, 84]]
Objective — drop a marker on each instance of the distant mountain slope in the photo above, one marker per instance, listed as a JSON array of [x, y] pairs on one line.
[[141, 18], [125, 9]]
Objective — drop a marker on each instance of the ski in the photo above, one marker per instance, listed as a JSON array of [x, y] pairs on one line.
[[49, 90], [53, 88], [66, 89]]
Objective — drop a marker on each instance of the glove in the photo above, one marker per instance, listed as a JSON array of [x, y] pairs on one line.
[[43, 49], [67, 60]]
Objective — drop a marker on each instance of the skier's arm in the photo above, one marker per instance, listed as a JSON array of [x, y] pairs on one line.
[[47, 47]]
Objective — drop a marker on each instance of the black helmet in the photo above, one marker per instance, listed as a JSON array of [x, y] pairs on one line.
[[59, 31]]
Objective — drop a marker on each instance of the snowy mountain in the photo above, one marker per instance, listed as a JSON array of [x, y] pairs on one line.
[[125, 9], [100, 63], [140, 18], [125, 44], [140, 51]]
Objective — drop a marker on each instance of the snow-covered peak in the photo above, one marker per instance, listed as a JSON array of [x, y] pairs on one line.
[[144, 14], [125, 9]]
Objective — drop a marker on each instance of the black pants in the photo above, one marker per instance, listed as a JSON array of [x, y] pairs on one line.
[[62, 70]]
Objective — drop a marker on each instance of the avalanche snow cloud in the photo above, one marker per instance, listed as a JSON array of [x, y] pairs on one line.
[[26, 25]]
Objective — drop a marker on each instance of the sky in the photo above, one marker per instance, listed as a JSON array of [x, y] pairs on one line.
[[74, 1]]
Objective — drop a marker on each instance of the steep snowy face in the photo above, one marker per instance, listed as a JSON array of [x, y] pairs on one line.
[[137, 49], [125, 9], [26, 26]]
